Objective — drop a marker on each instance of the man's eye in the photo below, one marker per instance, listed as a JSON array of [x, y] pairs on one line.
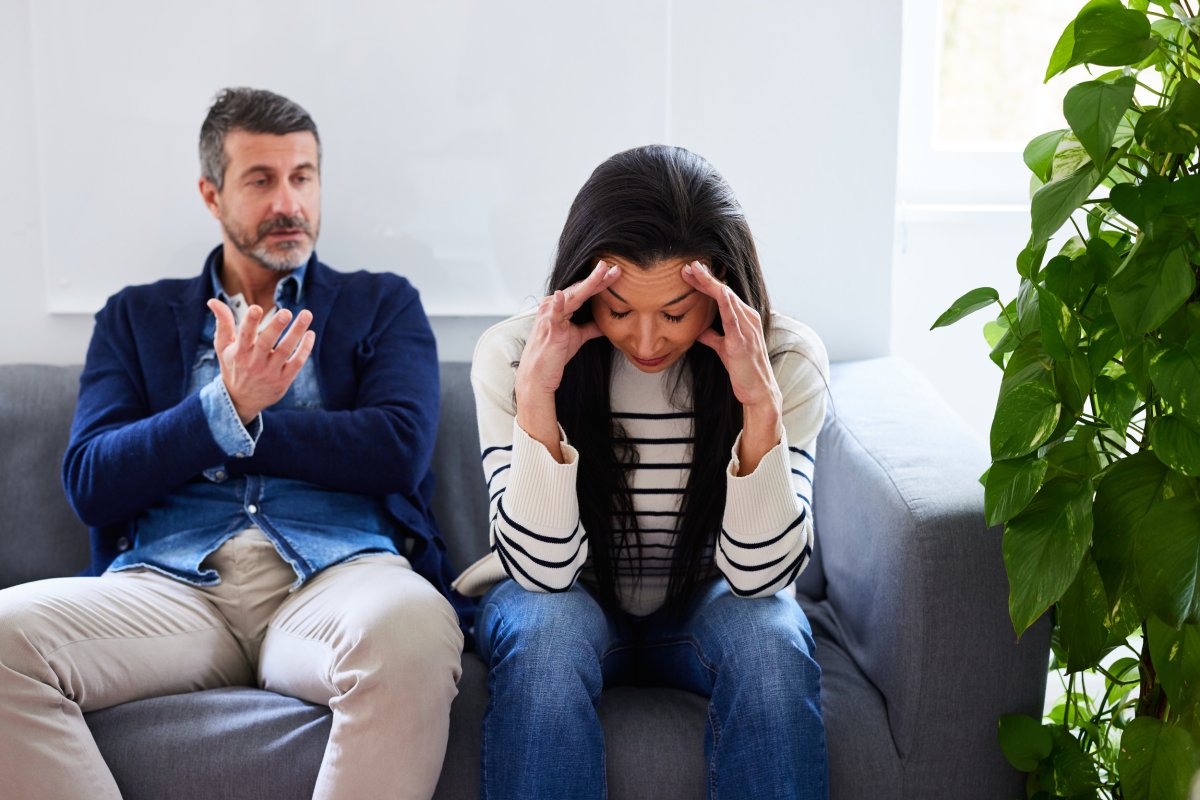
[[618, 315]]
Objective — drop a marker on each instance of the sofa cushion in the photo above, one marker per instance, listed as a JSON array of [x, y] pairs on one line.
[[40, 536]]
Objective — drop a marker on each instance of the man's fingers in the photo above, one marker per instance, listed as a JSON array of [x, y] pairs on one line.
[[276, 327], [224, 334], [287, 345], [292, 366], [248, 332]]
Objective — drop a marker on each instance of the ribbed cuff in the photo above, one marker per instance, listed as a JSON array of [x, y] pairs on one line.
[[541, 491], [764, 502]]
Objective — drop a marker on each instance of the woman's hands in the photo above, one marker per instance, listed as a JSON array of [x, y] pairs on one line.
[[553, 342], [743, 351]]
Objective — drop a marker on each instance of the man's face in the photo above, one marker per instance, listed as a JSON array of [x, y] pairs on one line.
[[270, 205]]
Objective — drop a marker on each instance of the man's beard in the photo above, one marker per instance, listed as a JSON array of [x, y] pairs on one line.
[[286, 255]]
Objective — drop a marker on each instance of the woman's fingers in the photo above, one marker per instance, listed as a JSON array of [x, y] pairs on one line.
[[700, 277], [600, 278]]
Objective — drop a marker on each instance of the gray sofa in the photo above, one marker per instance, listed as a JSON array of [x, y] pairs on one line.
[[907, 598]]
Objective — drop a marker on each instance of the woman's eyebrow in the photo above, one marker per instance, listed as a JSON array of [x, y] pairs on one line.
[[683, 296]]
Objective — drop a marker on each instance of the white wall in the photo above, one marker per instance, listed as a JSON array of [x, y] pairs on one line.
[[455, 136]]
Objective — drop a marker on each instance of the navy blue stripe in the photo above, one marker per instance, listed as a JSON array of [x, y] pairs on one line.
[[791, 572], [802, 475], [659, 466], [527, 532], [647, 530], [510, 565], [804, 453], [805, 499], [540, 562], [498, 492], [746, 568], [631, 415], [491, 450], [769, 542], [499, 469]]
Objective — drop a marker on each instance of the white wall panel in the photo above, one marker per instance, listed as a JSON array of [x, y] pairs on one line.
[[456, 134]]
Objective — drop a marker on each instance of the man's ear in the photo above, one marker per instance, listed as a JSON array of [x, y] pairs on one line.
[[210, 195]]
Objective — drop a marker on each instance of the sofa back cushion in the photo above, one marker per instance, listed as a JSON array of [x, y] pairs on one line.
[[460, 501], [40, 536]]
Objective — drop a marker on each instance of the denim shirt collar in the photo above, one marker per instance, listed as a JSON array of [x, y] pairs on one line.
[[288, 291]]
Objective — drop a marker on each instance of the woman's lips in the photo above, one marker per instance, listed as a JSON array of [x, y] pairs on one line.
[[650, 362]]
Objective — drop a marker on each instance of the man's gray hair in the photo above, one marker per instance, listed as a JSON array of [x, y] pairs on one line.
[[253, 111]]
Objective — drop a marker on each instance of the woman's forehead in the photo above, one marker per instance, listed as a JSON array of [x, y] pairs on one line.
[[652, 285]]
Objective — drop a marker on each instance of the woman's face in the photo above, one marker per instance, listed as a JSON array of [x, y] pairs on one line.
[[651, 314]]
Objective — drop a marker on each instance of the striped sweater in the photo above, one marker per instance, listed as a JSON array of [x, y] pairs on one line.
[[537, 539]]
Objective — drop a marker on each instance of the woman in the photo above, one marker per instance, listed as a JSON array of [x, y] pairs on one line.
[[648, 438]]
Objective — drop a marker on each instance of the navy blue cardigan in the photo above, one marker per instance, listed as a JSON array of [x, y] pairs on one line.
[[137, 435]]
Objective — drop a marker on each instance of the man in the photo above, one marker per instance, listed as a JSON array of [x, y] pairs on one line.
[[256, 477]]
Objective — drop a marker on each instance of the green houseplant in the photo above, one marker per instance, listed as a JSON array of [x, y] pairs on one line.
[[1095, 441]]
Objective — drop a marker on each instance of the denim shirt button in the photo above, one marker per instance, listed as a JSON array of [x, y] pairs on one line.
[[239, 455], [253, 509], [123, 543], [219, 475]]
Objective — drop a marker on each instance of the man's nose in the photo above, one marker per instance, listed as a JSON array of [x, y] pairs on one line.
[[286, 200]]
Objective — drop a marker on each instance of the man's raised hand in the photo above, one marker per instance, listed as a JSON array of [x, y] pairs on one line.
[[259, 366]]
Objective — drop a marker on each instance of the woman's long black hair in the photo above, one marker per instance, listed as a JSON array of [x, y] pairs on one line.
[[646, 205]]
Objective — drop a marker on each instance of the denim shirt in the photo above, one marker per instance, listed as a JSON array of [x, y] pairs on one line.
[[311, 527]]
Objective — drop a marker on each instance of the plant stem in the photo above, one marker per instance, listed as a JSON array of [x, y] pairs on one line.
[[1152, 701]]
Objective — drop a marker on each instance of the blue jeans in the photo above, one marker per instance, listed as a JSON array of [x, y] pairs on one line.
[[550, 655]]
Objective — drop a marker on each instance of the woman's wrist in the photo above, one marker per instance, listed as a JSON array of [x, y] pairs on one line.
[[538, 416], [762, 430]]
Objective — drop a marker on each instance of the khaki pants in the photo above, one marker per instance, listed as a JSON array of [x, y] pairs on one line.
[[369, 638]]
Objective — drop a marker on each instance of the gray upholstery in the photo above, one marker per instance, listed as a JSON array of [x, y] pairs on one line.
[[907, 600]]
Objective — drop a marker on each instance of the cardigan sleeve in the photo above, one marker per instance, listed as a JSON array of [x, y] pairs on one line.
[[122, 457], [766, 537], [383, 443], [534, 525]]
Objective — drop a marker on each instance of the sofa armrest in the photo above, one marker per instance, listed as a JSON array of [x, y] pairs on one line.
[[915, 579]]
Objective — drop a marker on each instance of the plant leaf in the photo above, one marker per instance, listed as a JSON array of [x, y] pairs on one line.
[[1025, 417], [1176, 442], [1024, 740], [1124, 496], [1060, 334], [1175, 372], [1081, 615], [1116, 398], [1043, 547], [1054, 203], [1093, 109], [1148, 290], [1039, 154], [1104, 341], [1176, 658], [1073, 772], [1108, 34], [1011, 484], [1176, 128], [969, 303], [1156, 761], [1167, 559]]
